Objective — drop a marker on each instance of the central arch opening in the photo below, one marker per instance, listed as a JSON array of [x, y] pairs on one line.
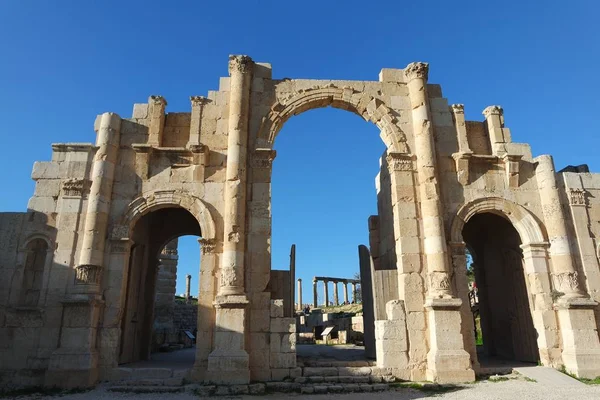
[[158, 326], [499, 294], [323, 192]]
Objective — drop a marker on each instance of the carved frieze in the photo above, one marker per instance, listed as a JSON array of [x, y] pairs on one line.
[[230, 277], [458, 108], [75, 187], [577, 197], [88, 274], [119, 232], [439, 281]]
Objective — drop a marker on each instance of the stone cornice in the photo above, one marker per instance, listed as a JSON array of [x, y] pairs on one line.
[[458, 108], [199, 100], [157, 99]]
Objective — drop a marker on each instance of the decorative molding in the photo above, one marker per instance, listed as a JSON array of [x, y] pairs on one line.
[[400, 161], [240, 63], [76, 187], [577, 197], [439, 281], [230, 277], [417, 70], [199, 100], [169, 252], [567, 282], [492, 110], [458, 108], [208, 246], [158, 100], [88, 274], [263, 158], [120, 245]]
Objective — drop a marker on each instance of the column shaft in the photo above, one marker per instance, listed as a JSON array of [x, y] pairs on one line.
[[326, 293], [563, 267], [431, 208], [91, 257], [315, 299], [232, 261], [335, 294], [299, 294], [345, 292]]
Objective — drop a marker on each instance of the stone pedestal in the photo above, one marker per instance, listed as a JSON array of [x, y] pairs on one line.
[[229, 362], [447, 361], [581, 347], [75, 363]]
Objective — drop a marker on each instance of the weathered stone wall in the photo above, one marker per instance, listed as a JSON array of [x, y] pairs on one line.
[[214, 165]]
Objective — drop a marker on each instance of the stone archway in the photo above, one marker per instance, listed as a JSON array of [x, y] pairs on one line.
[[370, 108], [170, 206], [534, 247]]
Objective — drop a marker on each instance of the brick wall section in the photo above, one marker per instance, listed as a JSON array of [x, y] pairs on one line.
[[185, 316]]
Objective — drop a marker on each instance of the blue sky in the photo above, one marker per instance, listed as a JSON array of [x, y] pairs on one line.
[[64, 62]]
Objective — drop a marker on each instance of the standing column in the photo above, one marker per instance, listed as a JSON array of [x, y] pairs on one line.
[[335, 294], [431, 206], [89, 270], [229, 362], [315, 293], [447, 361], [346, 292], [232, 261], [299, 294], [354, 292], [188, 285], [326, 292], [563, 268]]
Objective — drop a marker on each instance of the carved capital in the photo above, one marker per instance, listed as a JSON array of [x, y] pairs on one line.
[[492, 110], [417, 70], [577, 197], [157, 100], [399, 162], [88, 274], [119, 232], [208, 245], [75, 187], [458, 108], [567, 282], [199, 100], [263, 158], [240, 63]]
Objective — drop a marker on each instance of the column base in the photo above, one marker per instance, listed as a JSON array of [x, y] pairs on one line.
[[581, 346], [447, 360]]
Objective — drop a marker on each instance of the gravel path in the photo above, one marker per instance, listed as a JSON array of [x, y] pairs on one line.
[[509, 390]]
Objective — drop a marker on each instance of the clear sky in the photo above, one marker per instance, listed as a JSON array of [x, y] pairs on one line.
[[64, 62]]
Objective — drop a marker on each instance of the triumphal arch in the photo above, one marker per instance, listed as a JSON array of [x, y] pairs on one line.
[[78, 269]]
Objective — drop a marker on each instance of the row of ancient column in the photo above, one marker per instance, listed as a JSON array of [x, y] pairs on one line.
[[326, 281]]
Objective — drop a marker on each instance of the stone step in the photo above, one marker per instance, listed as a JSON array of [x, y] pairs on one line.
[[153, 382], [314, 363], [146, 389], [344, 371], [322, 388]]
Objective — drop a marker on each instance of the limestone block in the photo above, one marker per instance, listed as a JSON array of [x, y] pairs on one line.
[[283, 360], [288, 343], [395, 311], [140, 111], [279, 374], [275, 343], [400, 102], [277, 308], [283, 325], [260, 321], [42, 204], [45, 170]]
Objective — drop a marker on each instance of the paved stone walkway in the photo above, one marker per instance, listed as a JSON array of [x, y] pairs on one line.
[[503, 390], [549, 377], [343, 352]]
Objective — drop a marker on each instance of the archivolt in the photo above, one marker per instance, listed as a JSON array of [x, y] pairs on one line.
[[157, 199], [368, 107], [524, 222]]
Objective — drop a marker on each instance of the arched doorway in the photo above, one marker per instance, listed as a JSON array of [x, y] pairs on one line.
[[150, 234], [507, 328]]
